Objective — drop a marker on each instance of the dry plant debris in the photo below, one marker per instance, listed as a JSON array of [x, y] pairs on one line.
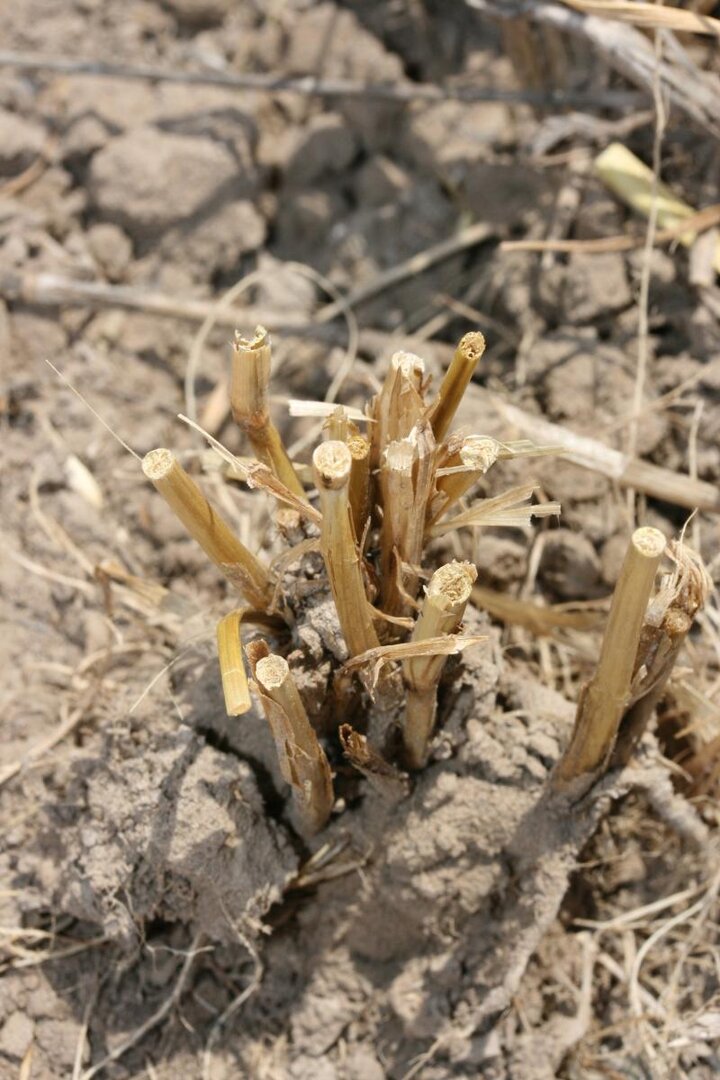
[[382, 499]]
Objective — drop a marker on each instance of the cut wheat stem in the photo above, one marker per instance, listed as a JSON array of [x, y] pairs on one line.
[[359, 485], [303, 761], [406, 482], [667, 624], [399, 405], [604, 699], [332, 466], [337, 426], [232, 667], [207, 527], [455, 383], [250, 378], [442, 612]]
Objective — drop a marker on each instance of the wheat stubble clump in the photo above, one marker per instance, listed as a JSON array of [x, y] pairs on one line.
[[411, 796]]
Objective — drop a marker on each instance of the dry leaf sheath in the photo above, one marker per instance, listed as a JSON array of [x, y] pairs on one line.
[[442, 612], [604, 699], [332, 465], [303, 762], [205, 525], [406, 482], [667, 624], [399, 405], [248, 398]]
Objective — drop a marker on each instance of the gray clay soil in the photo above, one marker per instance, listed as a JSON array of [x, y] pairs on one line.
[[161, 914]]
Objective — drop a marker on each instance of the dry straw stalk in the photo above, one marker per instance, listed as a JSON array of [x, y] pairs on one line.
[[399, 405], [667, 623], [332, 466], [205, 525], [406, 481], [250, 378], [232, 669], [303, 762], [605, 698], [455, 383], [359, 489], [337, 425], [442, 612]]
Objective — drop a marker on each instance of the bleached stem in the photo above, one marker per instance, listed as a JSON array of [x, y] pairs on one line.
[[332, 466], [442, 612], [604, 699], [303, 761], [248, 398], [205, 525]]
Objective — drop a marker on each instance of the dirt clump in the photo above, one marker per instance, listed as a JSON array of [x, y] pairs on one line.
[[129, 179], [21, 141]]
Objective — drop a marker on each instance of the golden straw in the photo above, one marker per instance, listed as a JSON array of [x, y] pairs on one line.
[[205, 525], [455, 383], [232, 667], [442, 612], [303, 762], [332, 466], [248, 399], [603, 701]]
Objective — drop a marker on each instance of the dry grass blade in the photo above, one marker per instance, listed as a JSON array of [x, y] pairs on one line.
[[604, 699], [257, 475], [541, 621], [449, 645], [442, 612], [649, 16], [303, 762], [455, 383], [308, 85], [205, 525], [505, 509], [317, 409], [464, 466], [665, 484], [332, 464], [695, 222], [461, 470], [151, 591], [251, 368]]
